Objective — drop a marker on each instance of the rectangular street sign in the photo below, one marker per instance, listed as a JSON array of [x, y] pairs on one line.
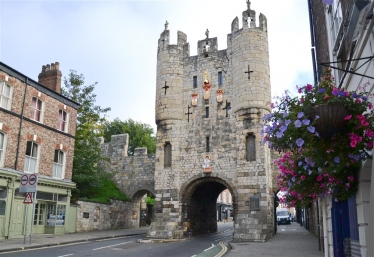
[[28, 183]]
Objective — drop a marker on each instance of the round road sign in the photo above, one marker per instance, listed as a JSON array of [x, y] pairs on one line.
[[24, 180], [32, 179]]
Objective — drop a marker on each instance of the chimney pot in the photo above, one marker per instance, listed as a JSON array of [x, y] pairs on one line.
[[50, 77]]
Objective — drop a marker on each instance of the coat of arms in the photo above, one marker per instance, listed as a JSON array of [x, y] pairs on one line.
[[220, 95], [194, 99]]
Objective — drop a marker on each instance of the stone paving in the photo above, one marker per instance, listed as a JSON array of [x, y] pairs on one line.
[[290, 241]]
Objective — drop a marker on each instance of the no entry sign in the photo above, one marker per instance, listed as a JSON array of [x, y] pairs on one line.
[[28, 183]]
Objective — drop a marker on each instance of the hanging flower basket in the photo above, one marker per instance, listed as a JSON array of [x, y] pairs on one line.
[[329, 118]]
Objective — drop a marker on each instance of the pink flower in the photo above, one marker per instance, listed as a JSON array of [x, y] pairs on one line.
[[361, 117], [364, 123], [302, 177], [369, 133], [370, 106], [326, 97], [348, 117], [309, 87], [350, 178], [347, 185], [319, 178], [369, 145], [302, 100]]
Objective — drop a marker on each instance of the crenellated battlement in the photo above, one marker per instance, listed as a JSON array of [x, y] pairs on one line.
[[210, 45]]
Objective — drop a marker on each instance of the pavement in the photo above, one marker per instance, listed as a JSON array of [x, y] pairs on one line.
[[290, 241], [47, 240]]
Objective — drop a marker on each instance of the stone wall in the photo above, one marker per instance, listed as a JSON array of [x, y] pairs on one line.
[[134, 175], [98, 216]]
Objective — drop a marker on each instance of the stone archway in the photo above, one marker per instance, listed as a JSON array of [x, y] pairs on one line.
[[144, 211], [199, 198]]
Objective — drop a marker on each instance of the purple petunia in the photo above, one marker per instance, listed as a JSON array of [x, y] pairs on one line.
[[300, 114], [321, 90], [336, 159], [297, 123], [311, 129], [299, 142], [287, 122], [306, 122], [279, 134], [283, 128]]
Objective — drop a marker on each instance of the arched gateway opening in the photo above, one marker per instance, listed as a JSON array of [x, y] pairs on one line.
[[199, 199], [143, 207]]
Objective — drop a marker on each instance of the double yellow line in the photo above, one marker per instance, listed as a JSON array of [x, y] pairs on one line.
[[223, 251]]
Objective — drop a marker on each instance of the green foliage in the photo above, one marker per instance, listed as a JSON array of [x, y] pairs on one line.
[[110, 191], [86, 173], [140, 134], [150, 201]]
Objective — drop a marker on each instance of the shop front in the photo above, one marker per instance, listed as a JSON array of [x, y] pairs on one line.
[[47, 214]]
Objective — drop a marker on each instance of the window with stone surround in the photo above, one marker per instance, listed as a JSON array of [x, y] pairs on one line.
[[220, 81], [62, 120], [335, 21], [167, 155], [194, 81], [207, 144], [36, 109], [5, 95], [250, 147], [2, 148], [206, 112], [31, 158], [59, 164]]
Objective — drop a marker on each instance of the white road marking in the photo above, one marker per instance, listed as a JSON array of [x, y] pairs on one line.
[[111, 246], [66, 255], [209, 248]]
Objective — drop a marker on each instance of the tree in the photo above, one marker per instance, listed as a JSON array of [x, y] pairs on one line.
[[140, 134], [86, 173]]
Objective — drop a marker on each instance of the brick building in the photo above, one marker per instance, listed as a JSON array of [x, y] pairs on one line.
[[342, 36], [37, 135]]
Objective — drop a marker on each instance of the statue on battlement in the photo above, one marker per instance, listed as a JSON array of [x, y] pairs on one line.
[[166, 25]]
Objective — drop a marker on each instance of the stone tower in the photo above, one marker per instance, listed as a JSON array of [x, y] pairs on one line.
[[208, 114]]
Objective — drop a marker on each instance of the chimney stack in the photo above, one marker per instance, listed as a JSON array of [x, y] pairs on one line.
[[51, 77]]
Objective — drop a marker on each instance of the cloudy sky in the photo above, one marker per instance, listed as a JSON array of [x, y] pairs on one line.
[[114, 43]]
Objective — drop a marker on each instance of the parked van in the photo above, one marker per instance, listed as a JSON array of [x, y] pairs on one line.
[[283, 216]]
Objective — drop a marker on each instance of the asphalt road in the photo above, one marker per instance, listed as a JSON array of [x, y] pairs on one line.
[[206, 246]]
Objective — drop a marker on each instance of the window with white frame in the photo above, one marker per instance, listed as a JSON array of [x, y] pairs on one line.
[[62, 120], [5, 95], [335, 17], [31, 159], [36, 109], [2, 148], [58, 164]]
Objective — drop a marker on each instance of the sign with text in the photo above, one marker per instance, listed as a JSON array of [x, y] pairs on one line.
[[28, 183]]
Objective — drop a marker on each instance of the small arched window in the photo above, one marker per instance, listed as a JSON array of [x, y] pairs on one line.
[[251, 147], [167, 154]]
